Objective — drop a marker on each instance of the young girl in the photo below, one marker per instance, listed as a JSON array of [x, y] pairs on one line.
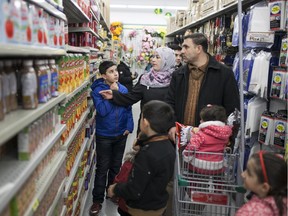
[[266, 176], [212, 137]]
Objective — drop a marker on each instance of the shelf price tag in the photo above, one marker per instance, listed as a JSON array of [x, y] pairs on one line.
[[35, 205]]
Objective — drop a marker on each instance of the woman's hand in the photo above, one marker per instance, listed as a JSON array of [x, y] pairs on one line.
[[126, 132], [114, 86], [106, 94]]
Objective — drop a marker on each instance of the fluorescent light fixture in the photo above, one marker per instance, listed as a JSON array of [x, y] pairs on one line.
[[148, 7]]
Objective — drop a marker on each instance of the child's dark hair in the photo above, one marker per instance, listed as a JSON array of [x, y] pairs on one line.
[[213, 113], [104, 66], [276, 172], [160, 115]]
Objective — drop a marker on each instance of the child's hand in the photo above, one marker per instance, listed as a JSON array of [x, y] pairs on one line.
[[194, 130], [111, 190], [126, 133], [172, 134], [114, 86], [135, 147]]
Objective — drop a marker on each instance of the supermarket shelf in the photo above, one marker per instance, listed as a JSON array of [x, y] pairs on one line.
[[84, 198], [75, 167], [47, 178], [92, 75], [77, 49], [81, 183], [17, 172], [63, 213], [94, 16], [75, 130], [18, 120], [227, 9], [50, 8], [29, 50], [77, 90], [56, 199], [74, 13], [105, 24], [84, 29], [93, 61], [92, 49], [90, 140]]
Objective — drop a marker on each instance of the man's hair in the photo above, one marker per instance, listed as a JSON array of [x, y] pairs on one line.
[[198, 39], [104, 66], [160, 115], [213, 113], [175, 47]]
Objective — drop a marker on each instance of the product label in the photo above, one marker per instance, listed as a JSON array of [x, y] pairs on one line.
[[42, 88], [54, 84]]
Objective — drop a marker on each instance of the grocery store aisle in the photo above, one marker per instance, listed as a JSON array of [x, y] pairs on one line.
[[109, 208]]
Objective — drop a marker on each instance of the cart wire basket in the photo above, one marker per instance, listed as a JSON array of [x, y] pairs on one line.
[[205, 183]]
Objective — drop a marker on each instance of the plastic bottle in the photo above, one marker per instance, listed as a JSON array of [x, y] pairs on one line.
[[42, 81], [54, 78], [12, 82], [29, 85], [46, 65]]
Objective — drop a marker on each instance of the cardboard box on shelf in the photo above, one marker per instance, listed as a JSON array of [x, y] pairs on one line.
[[209, 7], [180, 14], [171, 24], [225, 3]]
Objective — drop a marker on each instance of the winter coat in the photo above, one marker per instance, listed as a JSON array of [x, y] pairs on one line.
[[261, 207], [212, 137], [139, 92], [125, 75], [112, 120], [218, 87], [152, 170]]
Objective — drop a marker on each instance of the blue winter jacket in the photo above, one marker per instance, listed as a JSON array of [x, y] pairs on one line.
[[111, 120]]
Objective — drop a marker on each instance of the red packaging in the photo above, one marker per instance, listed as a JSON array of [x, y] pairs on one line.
[[73, 39], [212, 198], [95, 26]]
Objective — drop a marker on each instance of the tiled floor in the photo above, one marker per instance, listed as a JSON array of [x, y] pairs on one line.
[[109, 208]]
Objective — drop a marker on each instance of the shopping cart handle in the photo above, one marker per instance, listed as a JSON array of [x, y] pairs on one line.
[[182, 182]]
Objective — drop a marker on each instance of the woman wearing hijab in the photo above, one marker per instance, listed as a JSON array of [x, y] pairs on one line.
[[151, 86]]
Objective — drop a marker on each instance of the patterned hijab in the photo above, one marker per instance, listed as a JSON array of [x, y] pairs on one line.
[[161, 78]]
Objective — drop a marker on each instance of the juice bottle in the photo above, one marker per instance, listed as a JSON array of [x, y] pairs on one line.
[[29, 85], [2, 114], [12, 82], [54, 78]]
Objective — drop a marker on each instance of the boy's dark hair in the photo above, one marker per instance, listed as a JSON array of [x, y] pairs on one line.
[[198, 39], [160, 115], [276, 169], [175, 47], [104, 66], [213, 113]]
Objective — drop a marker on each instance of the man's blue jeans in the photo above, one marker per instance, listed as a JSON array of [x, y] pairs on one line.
[[109, 151]]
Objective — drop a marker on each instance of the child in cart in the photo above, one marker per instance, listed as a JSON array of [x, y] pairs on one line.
[[266, 176], [204, 152]]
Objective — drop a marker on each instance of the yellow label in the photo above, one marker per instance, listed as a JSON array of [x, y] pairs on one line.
[[35, 205], [264, 124], [277, 79], [275, 9]]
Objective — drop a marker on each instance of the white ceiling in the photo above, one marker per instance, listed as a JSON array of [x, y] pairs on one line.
[[143, 16]]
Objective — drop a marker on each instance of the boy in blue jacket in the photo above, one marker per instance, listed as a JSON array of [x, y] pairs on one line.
[[113, 124]]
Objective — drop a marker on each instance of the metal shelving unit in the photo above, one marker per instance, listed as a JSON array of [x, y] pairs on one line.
[[84, 29], [74, 13], [230, 8], [75, 130], [77, 90], [75, 49], [46, 180], [16, 172], [56, 199], [18, 120], [51, 9], [28, 50], [75, 167]]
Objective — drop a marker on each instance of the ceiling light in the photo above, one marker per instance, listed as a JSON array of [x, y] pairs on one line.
[[148, 7]]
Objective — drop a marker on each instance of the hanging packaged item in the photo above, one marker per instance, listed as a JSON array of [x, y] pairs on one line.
[[277, 14], [283, 59], [266, 128], [278, 84], [279, 137]]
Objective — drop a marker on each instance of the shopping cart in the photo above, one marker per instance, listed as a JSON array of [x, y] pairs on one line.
[[202, 187]]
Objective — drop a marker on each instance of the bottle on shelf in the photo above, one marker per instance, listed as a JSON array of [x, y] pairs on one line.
[[12, 82], [54, 78], [2, 114], [29, 85]]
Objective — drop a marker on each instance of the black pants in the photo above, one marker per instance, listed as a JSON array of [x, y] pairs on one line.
[[123, 213], [109, 151]]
